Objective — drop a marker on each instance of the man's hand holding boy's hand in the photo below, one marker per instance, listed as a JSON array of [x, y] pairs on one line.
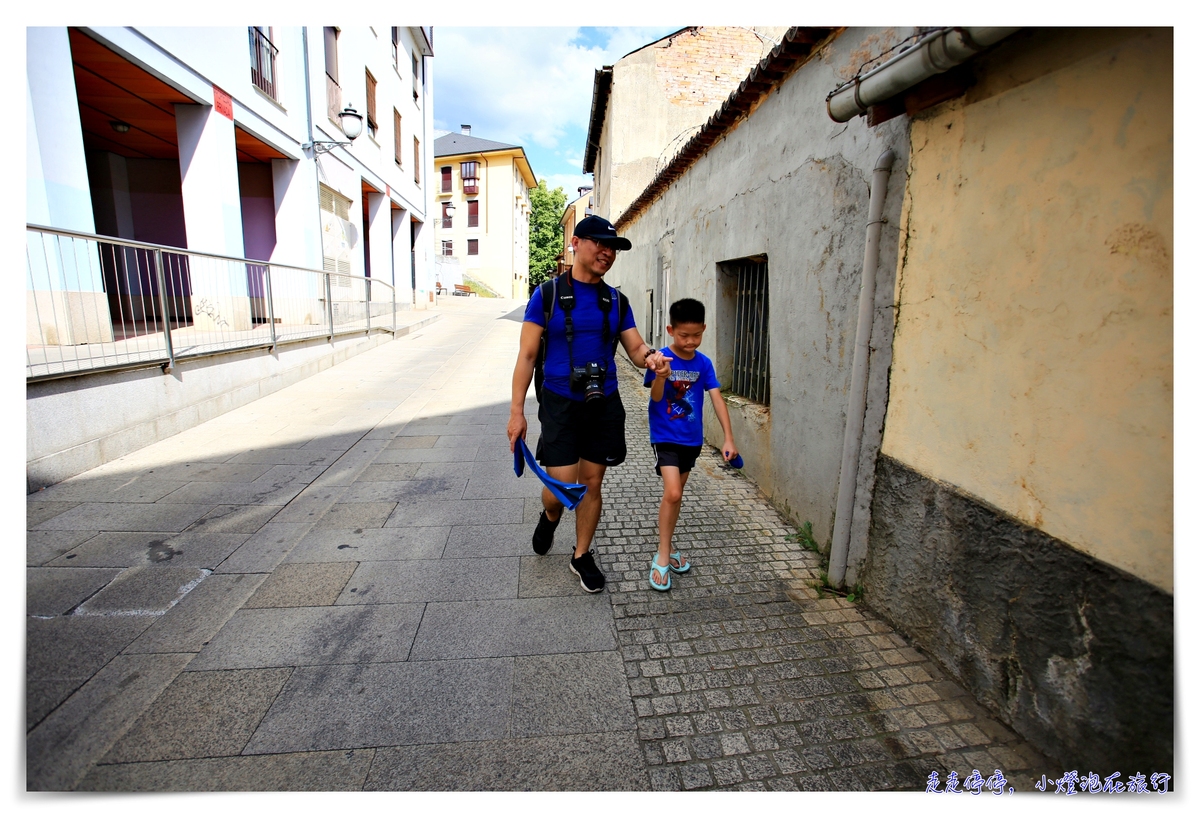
[[660, 363]]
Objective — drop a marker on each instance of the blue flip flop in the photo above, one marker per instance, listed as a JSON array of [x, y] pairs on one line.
[[665, 570], [683, 568]]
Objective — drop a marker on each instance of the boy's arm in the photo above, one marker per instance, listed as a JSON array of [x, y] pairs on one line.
[[729, 449], [657, 388]]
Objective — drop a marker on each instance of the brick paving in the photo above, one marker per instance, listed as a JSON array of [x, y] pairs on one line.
[[743, 678]]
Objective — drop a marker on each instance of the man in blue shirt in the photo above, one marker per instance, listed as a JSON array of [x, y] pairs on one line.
[[582, 418]]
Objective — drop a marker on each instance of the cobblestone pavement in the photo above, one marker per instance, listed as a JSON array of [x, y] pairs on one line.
[[744, 679], [333, 588]]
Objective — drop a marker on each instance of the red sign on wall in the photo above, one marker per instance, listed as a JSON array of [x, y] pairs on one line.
[[223, 103]]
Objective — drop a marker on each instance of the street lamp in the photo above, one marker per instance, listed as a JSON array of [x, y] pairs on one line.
[[351, 122]]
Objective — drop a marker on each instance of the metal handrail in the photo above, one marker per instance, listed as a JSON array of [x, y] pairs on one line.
[[99, 303]]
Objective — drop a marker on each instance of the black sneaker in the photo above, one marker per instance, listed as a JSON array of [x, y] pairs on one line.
[[589, 575], [543, 535]]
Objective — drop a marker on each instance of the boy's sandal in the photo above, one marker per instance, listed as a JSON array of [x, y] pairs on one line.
[[683, 566], [664, 570]]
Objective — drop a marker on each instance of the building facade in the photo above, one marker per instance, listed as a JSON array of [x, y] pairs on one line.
[[481, 194], [1011, 484], [202, 138], [225, 145], [576, 209], [664, 92]]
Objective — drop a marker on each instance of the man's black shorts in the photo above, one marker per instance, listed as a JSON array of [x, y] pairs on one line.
[[577, 430], [672, 454]]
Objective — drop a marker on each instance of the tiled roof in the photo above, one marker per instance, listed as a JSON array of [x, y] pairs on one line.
[[455, 143]]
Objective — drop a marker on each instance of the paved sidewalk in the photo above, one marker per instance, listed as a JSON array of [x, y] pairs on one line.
[[332, 588]]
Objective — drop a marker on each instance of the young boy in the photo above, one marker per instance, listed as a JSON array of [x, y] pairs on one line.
[[677, 426]]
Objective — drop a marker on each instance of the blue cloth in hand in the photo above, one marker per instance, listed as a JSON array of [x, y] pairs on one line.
[[569, 494]]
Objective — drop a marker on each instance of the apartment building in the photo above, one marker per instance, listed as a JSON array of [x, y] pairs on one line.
[[481, 232], [234, 141]]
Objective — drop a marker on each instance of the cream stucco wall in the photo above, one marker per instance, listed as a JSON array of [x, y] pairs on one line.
[[1033, 351], [503, 231]]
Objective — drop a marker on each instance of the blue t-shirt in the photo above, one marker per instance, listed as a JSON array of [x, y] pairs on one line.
[[679, 416], [588, 343]]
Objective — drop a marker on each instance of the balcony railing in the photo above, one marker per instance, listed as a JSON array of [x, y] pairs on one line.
[[95, 302], [262, 63]]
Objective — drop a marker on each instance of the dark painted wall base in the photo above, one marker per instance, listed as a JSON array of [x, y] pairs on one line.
[[1076, 655]]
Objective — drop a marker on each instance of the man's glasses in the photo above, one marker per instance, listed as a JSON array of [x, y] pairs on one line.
[[602, 243]]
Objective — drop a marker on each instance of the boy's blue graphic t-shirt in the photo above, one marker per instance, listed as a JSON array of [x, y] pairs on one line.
[[679, 417], [588, 343]]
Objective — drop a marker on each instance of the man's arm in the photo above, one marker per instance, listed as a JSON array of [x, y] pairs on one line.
[[531, 339], [636, 348], [729, 449]]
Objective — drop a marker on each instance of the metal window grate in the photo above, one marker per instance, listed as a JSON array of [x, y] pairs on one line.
[[751, 371]]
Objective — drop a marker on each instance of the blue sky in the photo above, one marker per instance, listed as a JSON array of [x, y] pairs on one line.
[[529, 86]]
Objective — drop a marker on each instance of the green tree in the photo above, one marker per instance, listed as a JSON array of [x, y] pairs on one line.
[[545, 231]]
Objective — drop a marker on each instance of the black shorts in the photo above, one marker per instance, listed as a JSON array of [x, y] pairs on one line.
[[673, 454], [578, 430]]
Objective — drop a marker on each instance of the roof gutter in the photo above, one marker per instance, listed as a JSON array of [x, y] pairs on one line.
[[934, 53], [600, 90]]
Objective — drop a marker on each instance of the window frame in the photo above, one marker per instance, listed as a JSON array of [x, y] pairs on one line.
[[472, 247], [447, 247], [372, 124]]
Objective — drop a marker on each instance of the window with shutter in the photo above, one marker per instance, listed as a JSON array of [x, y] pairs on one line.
[[397, 142], [335, 244], [416, 160], [470, 177], [447, 179], [372, 125], [472, 247], [473, 213]]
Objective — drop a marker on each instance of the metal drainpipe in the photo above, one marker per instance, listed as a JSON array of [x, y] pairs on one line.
[[856, 410], [934, 53]]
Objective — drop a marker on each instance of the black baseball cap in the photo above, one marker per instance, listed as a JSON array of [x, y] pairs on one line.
[[594, 227]]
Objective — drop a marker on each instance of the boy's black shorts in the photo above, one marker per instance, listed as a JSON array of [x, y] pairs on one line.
[[672, 454], [577, 430]]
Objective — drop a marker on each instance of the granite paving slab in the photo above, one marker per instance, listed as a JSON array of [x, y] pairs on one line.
[[565, 693], [285, 456], [356, 515], [304, 585], [60, 750], [506, 485], [40, 510], [456, 512], [42, 547], [547, 575], [265, 550], [223, 710], [462, 455], [431, 581], [400, 703], [234, 519], [189, 626], [389, 472], [370, 544], [63, 653], [605, 762], [126, 549], [126, 517], [226, 472], [507, 540], [289, 637], [310, 505], [336, 771], [56, 591], [145, 590], [515, 627], [252, 493], [137, 488], [406, 491], [419, 441]]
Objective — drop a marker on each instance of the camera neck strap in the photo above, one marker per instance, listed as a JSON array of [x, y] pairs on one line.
[[565, 296]]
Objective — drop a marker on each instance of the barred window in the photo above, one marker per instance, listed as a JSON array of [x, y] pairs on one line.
[[447, 248], [746, 293]]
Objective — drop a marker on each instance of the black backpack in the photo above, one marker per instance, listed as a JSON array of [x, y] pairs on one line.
[[565, 298]]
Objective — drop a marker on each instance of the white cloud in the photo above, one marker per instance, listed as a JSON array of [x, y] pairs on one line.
[[523, 85]]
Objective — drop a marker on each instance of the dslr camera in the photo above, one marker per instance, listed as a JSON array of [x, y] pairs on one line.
[[589, 379]]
